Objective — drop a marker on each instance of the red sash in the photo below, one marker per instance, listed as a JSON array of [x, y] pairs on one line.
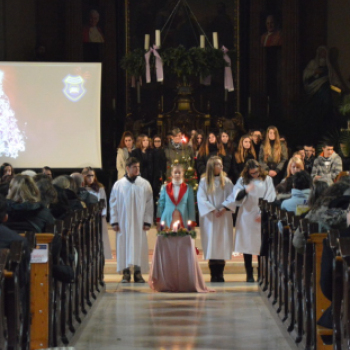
[[170, 192]]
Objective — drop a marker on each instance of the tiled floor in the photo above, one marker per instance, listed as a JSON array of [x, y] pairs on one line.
[[130, 316]]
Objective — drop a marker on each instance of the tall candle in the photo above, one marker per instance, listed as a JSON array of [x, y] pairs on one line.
[[202, 42], [162, 225], [189, 225], [215, 40], [158, 38], [147, 40]]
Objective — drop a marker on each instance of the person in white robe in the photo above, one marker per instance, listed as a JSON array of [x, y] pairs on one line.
[[253, 184], [96, 188], [215, 221], [131, 215]]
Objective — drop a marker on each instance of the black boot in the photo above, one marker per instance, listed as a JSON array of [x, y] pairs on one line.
[[126, 276], [248, 267], [221, 267], [250, 277], [137, 275], [213, 272]]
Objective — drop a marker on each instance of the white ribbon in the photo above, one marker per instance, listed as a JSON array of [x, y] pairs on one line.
[[159, 65], [228, 71]]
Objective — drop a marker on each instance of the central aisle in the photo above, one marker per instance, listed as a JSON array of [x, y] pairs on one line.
[[131, 316]]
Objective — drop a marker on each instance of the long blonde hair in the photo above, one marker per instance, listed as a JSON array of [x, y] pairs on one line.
[[277, 146], [23, 189], [242, 152], [210, 175], [298, 162]]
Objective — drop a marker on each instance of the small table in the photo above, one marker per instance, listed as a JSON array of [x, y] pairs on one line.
[[175, 266]]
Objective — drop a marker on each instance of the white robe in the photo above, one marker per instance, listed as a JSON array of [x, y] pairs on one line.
[[131, 205], [101, 194], [216, 233], [248, 231]]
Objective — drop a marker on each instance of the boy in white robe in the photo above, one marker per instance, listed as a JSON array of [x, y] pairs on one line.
[[131, 211]]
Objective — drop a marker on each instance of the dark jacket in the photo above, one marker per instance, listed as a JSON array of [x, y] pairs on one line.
[[28, 216], [146, 163], [230, 155], [213, 151], [159, 163], [309, 163], [238, 166], [182, 153], [7, 236], [86, 196]]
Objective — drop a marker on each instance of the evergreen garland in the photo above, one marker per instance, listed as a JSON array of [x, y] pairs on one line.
[[179, 61]]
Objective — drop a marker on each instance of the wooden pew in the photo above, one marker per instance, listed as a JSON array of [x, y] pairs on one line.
[[344, 246], [337, 287], [265, 236], [283, 250], [101, 256], [14, 289], [41, 305], [296, 305], [67, 329], [272, 278], [56, 290], [31, 240], [4, 255], [76, 233], [321, 302], [293, 223], [308, 340]]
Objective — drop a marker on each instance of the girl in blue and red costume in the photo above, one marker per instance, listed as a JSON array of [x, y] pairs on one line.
[[176, 201]]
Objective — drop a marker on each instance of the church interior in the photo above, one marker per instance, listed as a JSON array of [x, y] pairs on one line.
[[210, 65]]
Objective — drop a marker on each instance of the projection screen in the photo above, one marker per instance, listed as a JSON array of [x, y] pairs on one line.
[[50, 114]]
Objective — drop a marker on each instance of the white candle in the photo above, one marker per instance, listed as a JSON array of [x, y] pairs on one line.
[[162, 225], [147, 40], [202, 42], [158, 38], [215, 40]]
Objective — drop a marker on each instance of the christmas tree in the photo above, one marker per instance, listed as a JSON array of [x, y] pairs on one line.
[[11, 138]]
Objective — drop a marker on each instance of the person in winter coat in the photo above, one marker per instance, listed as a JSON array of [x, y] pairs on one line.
[[144, 153], [25, 210], [245, 151], [177, 151], [273, 155], [212, 147], [302, 184], [327, 165], [125, 148]]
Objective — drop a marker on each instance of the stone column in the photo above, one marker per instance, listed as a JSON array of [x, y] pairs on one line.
[[257, 63], [290, 73], [74, 30]]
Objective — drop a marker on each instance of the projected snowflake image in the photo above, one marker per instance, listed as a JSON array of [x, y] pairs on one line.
[[74, 87], [11, 138]]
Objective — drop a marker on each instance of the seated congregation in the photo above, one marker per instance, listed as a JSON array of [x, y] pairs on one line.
[[249, 195], [51, 255]]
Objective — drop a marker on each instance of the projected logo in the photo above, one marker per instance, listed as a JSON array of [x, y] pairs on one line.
[[74, 87], [11, 138]]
